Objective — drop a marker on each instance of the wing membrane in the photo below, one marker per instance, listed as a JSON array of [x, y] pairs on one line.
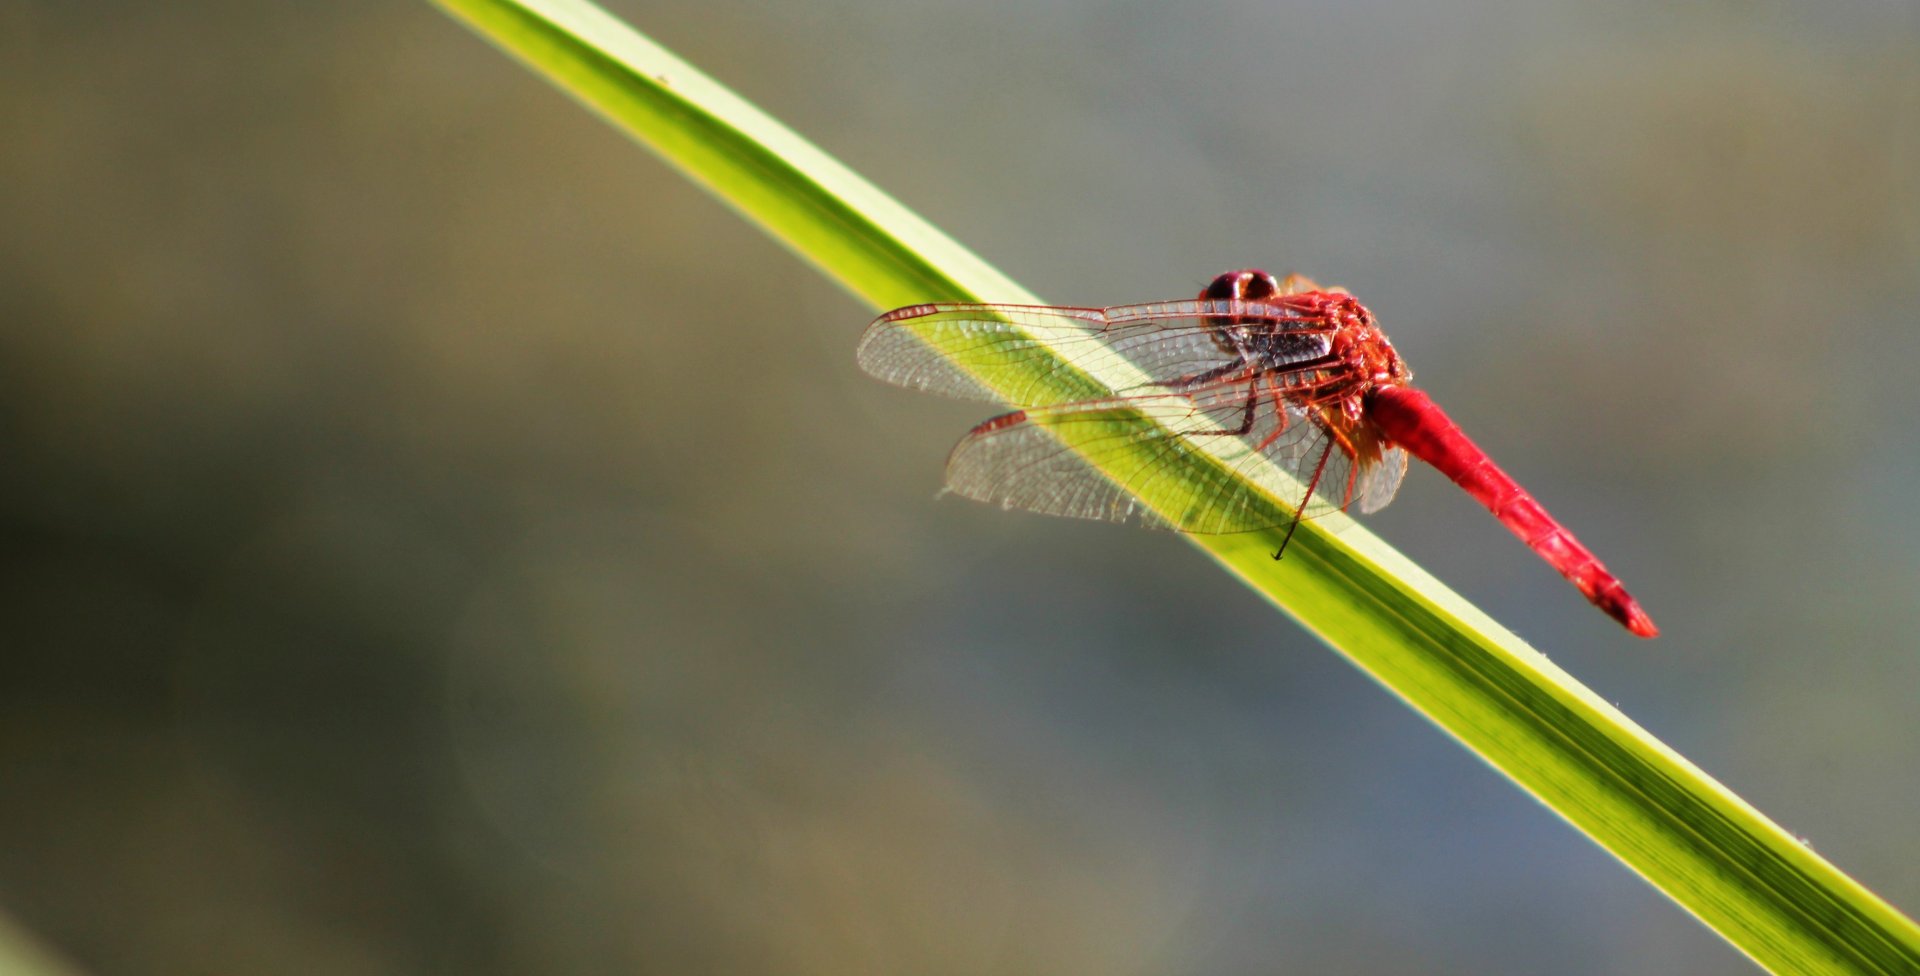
[[1017, 461], [1169, 342]]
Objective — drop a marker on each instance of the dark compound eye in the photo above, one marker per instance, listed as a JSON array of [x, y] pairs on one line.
[[1248, 285], [1258, 286]]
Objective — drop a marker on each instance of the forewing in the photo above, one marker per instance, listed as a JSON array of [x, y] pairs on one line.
[[1169, 342], [1016, 461]]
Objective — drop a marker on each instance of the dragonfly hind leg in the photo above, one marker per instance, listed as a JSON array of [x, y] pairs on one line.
[[1301, 512]]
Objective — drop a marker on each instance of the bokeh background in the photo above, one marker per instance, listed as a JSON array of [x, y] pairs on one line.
[[438, 538]]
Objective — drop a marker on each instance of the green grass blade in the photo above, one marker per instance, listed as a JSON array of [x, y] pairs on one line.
[[23, 954], [1704, 847]]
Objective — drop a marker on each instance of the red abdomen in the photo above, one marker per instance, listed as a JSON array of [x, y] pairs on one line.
[[1412, 420]]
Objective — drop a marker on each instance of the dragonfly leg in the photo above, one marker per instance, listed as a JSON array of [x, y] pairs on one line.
[[1227, 371], [1246, 422], [1279, 411], [1299, 513]]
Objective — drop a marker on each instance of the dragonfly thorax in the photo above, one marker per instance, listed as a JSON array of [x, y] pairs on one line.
[[1360, 346]]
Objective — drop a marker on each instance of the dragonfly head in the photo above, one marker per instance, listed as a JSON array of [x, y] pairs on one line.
[[1345, 328], [1249, 285], [1240, 334]]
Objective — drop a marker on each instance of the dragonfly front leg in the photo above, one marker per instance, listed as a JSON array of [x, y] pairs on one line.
[[1186, 384], [1246, 419], [1279, 414], [1241, 366]]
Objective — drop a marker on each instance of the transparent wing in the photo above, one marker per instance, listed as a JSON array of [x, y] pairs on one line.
[[1380, 480], [1016, 461], [1170, 342]]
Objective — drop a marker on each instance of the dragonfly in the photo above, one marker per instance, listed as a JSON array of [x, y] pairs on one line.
[[1261, 375]]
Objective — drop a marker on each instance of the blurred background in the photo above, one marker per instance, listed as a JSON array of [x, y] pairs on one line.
[[437, 537]]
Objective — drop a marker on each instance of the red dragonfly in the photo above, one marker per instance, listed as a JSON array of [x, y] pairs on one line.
[[1288, 375]]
